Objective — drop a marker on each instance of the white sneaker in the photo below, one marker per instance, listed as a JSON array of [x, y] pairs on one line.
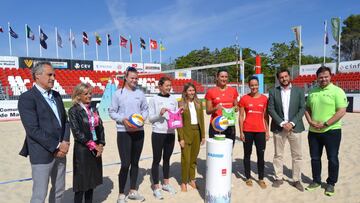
[[121, 199], [157, 193], [169, 189], [136, 196]]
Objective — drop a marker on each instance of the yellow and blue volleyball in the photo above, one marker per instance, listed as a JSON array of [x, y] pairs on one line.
[[136, 120], [220, 123]]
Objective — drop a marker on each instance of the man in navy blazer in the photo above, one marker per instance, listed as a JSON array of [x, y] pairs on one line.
[[47, 129], [286, 107]]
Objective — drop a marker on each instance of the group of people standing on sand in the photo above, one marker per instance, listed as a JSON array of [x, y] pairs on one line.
[[48, 129]]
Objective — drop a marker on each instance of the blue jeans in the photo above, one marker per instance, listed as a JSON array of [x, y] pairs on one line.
[[331, 141]]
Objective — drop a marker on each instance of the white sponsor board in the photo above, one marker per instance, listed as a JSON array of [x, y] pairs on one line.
[[344, 67], [218, 170], [121, 66], [9, 110], [312, 68], [152, 67], [183, 74], [349, 66], [109, 66], [9, 62]]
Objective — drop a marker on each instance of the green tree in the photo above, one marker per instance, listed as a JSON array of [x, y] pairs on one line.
[[350, 39]]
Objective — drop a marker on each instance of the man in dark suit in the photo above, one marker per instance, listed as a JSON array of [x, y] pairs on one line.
[[47, 129], [286, 107]]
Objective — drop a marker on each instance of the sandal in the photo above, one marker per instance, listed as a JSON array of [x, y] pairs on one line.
[[262, 184], [249, 182]]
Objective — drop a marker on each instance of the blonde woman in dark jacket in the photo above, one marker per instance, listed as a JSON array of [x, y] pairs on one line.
[[88, 132]]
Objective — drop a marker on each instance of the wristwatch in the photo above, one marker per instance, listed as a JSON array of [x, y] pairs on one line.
[[326, 124]]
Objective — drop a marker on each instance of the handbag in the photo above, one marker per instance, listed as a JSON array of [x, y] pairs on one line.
[[175, 119]]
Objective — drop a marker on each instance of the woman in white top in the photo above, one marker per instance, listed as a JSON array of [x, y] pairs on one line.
[[162, 138]]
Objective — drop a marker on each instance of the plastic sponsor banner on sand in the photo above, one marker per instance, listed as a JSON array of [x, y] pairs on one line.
[[9, 110]]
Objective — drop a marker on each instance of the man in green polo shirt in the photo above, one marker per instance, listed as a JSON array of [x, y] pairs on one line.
[[325, 106]]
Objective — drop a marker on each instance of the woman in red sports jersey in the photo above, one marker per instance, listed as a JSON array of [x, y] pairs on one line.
[[253, 120], [219, 99]]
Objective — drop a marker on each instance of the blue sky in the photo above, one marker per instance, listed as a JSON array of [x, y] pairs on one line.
[[182, 25]]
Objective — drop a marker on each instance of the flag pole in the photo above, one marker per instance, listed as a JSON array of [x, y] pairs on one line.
[[150, 50], [300, 45], [96, 48], [40, 43], [107, 46], [130, 48], [120, 47], [26, 40], [10, 48], [141, 59], [56, 43], [83, 48], [325, 25], [71, 48], [160, 50], [339, 45]]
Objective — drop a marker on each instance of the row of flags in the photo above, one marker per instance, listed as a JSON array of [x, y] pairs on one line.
[[43, 37], [336, 33], [123, 41]]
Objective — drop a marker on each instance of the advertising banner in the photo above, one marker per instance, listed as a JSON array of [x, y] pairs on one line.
[[29, 62], [138, 66], [153, 68], [9, 110], [109, 66], [344, 67], [183, 74], [349, 66], [9, 62], [81, 65]]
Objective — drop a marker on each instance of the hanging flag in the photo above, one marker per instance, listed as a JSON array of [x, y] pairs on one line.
[[153, 44], [98, 39], [43, 38], [335, 25], [123, 41], [12, 33], [59, 39], [326, 37], [85, 38], [108, 40], [1, 29], [130, 46], [29, 33], [142, 43], [297, 31], [72, 39], [162, 48]]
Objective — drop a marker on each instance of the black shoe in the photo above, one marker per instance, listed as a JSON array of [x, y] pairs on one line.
[[277, 183], [298, 185], [329, 190]]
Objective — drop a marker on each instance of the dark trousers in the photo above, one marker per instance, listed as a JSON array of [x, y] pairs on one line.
[[331, 141], [130, 145], [79, 196], [229, 133], [161, 142], [260, 144]]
